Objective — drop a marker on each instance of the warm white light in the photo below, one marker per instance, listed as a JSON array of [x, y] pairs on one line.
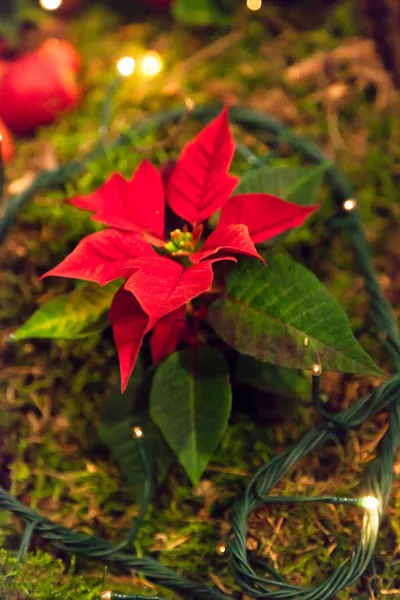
[[138, 432], [254, 4], [126, 66], [369, 502], [151, 64], [316, 369], [189, 103], [221, 549], [349, 204], [106, 595], [50, 4]]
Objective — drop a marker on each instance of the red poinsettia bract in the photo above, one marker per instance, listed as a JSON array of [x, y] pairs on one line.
[[163, 275]]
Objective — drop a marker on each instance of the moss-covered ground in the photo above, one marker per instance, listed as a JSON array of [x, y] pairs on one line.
[[52, 393]]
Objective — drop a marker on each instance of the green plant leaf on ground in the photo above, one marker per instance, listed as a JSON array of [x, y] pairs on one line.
[[70, 316], [299, 185], [272, 379], [200, 13], [281, 313], [191, 402], [120, 415]]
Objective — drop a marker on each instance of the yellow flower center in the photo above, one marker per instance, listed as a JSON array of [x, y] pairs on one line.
[[181, 243]]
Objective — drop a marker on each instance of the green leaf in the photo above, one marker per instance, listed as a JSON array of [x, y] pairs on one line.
[[200, 13], [270, 378], [120, 415], [70, 316], [299, 185], [282, 314], [191, 402]]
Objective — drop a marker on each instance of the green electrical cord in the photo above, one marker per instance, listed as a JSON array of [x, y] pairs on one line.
[[256, 578]]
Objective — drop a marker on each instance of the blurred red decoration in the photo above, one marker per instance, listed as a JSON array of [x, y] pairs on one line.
[[38, 86], [63, 52], [7, 144]]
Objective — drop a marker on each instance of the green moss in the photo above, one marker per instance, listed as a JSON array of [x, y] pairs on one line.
[[41, 577], [49, 413]]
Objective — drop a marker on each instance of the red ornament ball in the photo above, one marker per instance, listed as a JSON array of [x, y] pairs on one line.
[[7, 144], [38, 86], [62, 52]]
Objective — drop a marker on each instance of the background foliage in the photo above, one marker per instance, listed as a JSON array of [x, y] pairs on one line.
[[54, 392]]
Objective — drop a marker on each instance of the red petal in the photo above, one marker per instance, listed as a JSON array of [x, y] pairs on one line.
[[162, 285], [265, 215], [129, 324], [103, 257], [108, 193], [224, 241], [130, 205], [141, 204], [166, 335], [199, 184]]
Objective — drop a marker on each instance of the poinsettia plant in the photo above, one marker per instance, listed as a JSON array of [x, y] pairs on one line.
[[199, 295]]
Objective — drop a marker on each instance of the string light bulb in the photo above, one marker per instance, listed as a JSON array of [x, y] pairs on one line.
[[221, 549], [254, 4], [50, 4], [126, 66], [106, 595], [151, 64], [369, 502], [316, 369], [349, 204], [189, 103], [138, 432]]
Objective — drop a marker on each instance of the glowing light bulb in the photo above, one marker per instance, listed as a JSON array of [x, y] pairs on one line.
[[316, 369], [138, 432], [369, 502], [349, 204], [151, 64], [254, 4], [126, 66], [50, 4], [189, 103], [221, 549], [106, 595]]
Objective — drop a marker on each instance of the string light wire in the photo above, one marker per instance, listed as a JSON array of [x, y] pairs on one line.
[[256, 578]]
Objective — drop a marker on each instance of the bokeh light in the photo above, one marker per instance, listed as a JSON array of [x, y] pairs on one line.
[[369, 502], [254, 4], [151, 64], [126, 66], [50, 4]]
